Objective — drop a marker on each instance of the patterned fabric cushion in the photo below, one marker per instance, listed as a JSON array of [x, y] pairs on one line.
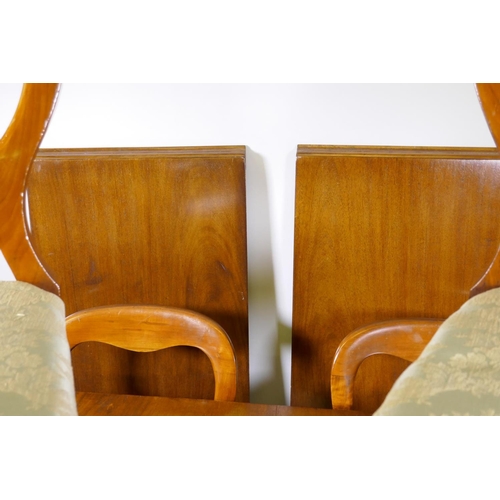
[[36, 376], [458, 373]]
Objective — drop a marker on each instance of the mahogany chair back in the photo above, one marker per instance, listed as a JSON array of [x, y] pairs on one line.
[[383, 235], [162, 227], [406, 339]]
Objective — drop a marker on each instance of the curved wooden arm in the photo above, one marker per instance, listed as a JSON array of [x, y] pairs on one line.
[[18, 148], [489, 97], [402, 338], [151, 328]]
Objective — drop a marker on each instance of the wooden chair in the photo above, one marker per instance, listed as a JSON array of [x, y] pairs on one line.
[[386, 239], [402, 339], [150, 328], [132, 277], [405, 339]]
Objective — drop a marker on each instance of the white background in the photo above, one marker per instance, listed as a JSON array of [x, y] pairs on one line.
[[258, 41]]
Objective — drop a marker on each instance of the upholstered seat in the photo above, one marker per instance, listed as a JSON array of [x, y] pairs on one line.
[[458, 372], [36, 376]]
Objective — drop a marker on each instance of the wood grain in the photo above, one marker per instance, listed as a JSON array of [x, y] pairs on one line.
[[18, 148], [384, 234], [161, 227], [91, 404], [151, 328], [405, 339], [489, 97]]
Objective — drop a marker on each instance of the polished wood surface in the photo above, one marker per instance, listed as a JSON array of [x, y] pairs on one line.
[[384, 234], [489, 97], [162, 227], [151, 328], [18, 147], [91, 404], [405, 339]]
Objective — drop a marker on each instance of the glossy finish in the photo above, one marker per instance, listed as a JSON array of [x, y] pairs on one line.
[[384, 234], [18, 147], [404, 339], [489, 97], [162, 227], [150, 328], [90, 404]]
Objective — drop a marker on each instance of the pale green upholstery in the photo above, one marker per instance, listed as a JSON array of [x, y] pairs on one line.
[[36, 376], [458, 373]]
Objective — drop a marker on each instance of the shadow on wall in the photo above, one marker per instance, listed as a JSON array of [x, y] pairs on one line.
[[266, 376], [285, 312]]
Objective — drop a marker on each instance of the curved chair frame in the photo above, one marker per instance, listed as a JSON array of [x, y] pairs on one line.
[[151, 328], [18, 148], [404, 339]]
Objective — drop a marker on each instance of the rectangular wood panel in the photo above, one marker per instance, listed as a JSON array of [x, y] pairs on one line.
[[382, 234], [160, 226]]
